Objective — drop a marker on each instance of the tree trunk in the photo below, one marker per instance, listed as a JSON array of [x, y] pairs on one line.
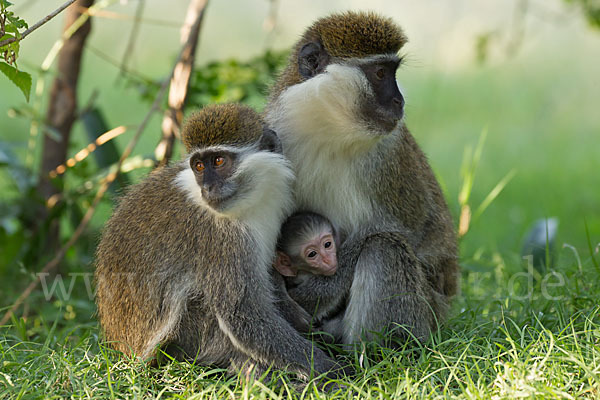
[[171, 125], [61, 113]]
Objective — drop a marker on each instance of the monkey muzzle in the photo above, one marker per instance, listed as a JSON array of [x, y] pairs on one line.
[[330, 260], [216, 196], [383, 118]]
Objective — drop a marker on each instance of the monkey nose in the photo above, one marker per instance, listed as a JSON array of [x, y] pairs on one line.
[[209, 189], [398, 107], [399, 102], [210, 192], [331, 262]]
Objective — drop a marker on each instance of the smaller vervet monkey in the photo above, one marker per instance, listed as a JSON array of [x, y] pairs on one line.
[[185, 261], [307, 246]]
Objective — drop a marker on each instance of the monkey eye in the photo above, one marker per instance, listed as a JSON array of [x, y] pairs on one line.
[[327, 244], [311, 254], [380, 73], [199, 166], [219, 161]]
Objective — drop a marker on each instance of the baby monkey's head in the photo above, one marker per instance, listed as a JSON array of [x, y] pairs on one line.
[[307, 242]]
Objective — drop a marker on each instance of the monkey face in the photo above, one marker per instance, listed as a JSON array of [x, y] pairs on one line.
[[319, 254], [232, 181], [388, 105], [361, 92], [213, 170]]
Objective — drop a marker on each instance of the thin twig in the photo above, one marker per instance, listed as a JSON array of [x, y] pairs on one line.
[[126, 17], [117, 64], [2, 25], [132, 36], [37, 24], [52, 264]]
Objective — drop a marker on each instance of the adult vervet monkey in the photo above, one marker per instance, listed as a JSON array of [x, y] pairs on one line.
[[185, 261], [338, 112]]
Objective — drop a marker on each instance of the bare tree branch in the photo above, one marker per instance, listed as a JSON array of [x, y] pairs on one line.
[[61, 112], [270, 23], [38, 24], [173, 118], [116, 63], [126, 17]]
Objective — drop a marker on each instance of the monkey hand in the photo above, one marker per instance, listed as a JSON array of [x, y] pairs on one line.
[[291, 311], [301, 320]]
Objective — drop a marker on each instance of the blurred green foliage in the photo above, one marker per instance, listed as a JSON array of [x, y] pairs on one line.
[[591, 10], [224, 81], [236, 81], [22, 231]]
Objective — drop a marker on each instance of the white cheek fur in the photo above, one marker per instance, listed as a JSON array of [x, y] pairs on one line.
[[268, 204], [263, 208], [325, 105], [324, 139], [186, 182]]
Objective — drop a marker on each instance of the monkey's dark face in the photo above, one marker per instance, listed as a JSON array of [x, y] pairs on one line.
[[379, 101], [213, 171], [388, 107], [232, 181]]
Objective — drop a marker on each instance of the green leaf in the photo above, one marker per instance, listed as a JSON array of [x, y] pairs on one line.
[[16, 21], [14, 46], [6, 36], [21, 79], [5, 3], [13, 29]]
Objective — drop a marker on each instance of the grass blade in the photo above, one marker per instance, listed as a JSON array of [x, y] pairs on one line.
[[494, 193]]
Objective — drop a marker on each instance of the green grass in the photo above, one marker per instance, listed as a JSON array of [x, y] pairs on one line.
[[495, 346], [511, 334]]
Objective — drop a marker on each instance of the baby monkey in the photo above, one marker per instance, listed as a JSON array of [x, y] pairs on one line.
[[307, 242], [307, 246]]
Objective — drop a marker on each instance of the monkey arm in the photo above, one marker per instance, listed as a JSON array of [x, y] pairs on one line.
[[425, 212], [438, 253], [390, 288], [289, 309], [251, 321]]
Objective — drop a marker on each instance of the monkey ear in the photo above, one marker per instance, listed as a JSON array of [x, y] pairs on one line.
[[312, 59], [283, 265], [270, 141]]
